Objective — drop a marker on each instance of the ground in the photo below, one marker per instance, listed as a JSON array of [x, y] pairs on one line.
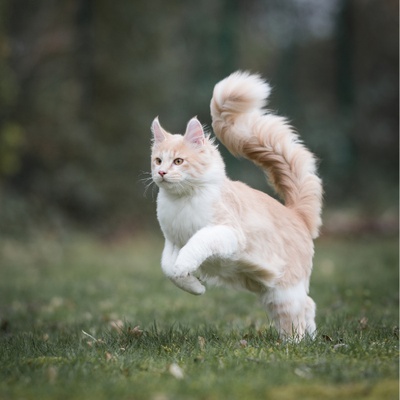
[[86, 319]]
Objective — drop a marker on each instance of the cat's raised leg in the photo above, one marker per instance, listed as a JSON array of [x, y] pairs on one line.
[[189, 283], [292, 311], [169, 256], [217, 241]]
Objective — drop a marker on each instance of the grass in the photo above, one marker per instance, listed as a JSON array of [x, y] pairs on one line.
[[82, 319]]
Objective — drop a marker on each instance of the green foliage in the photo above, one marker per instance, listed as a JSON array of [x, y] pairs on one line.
[[95, 320], [80, 83], [11, 141]]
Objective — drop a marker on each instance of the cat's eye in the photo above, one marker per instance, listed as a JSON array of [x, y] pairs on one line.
[[178, 161], [158, 161]]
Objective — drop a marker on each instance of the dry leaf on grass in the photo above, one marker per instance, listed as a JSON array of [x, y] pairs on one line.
[[176, 371]]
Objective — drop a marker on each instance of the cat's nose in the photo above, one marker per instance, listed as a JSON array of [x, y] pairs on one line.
[[162, 173]]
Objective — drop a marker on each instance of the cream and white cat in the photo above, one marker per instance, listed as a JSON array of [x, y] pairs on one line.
[[226, 232]]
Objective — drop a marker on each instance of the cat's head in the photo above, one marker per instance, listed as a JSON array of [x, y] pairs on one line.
[[181, 164]]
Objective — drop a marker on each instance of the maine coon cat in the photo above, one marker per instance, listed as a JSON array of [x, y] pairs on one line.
[[225, 232]]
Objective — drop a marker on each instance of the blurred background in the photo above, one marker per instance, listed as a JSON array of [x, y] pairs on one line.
[[82, 80]]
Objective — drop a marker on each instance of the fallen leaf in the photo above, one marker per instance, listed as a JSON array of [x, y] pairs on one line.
[[327, 338], [117, 325], [396, 331], [202, 343], [176, 371], [339, 345], [363, 323], [52, 373], [135, 332], [303, 372]]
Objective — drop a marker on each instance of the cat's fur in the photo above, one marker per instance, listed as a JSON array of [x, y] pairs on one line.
[[226, 232]]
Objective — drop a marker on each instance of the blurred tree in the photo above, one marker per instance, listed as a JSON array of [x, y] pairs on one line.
[[11, 133], [81, 81]]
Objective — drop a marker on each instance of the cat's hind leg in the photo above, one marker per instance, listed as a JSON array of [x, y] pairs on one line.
[[311, 327], [291, 310]]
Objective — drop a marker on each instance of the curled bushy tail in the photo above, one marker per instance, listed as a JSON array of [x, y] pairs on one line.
[[241, 124]]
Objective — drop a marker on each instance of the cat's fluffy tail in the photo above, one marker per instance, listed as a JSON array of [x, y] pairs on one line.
[[243, 126]]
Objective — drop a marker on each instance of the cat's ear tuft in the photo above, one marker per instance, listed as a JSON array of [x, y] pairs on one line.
[[159, 134], [194, 132]]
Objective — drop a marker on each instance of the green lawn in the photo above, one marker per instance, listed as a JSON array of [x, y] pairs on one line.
[[82, 319]]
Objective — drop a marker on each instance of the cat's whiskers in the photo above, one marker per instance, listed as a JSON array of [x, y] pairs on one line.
[[148, 182]]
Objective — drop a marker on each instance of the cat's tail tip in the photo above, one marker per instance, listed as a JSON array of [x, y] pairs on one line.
[[241, 92]]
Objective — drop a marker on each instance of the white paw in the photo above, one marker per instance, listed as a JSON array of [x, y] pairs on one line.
[[188, 283]]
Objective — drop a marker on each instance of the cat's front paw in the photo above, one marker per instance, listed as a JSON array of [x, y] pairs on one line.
[[188, 283]]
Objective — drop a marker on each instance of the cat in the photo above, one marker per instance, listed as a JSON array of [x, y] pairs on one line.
[[226, 232]]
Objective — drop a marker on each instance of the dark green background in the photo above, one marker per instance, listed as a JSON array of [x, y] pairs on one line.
[[81, 81]]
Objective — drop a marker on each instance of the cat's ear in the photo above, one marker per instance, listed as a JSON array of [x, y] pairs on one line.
[[194, 132], [159, 134]]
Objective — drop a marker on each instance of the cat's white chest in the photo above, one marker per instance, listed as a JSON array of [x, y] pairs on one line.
[[181, 217]]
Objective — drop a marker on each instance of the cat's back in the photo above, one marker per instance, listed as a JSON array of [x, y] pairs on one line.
[[241, 198], [255, 211]]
